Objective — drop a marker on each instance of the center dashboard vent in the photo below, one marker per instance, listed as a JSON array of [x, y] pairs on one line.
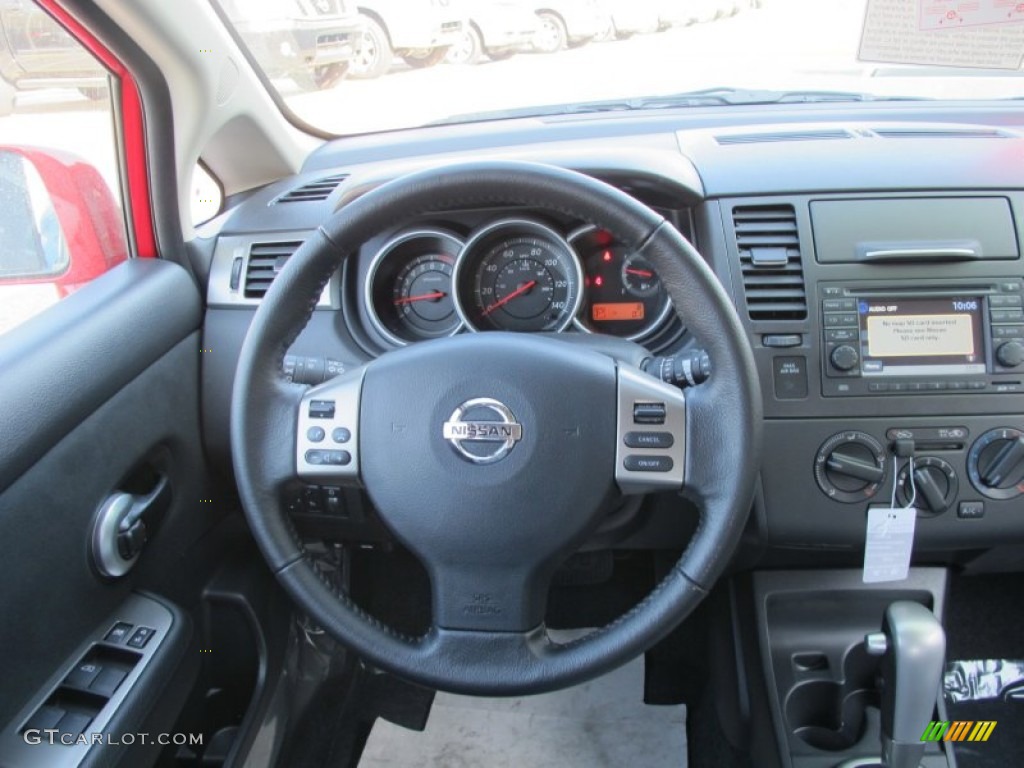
[[265, 261], [314, 191], [769, 247]]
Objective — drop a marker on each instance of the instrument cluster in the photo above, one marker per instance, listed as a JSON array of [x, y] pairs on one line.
[[512, 274]]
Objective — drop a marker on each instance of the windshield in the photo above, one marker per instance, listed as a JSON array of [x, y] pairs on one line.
[[387, 64]]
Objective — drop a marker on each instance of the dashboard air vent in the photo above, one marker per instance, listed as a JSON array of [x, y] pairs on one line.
[[265, 261], [941, 133], [314, 191], [762, 138], [769, 249]]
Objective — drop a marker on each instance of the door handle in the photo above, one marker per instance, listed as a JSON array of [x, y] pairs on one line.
[[123, 525]]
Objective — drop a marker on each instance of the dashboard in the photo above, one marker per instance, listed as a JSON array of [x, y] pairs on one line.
[[880, 289]]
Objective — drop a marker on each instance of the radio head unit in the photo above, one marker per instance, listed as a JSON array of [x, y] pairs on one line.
[[910, 339]]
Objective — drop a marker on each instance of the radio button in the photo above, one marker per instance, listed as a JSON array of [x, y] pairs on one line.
[[839, 305], [977, 384], [1007, 331], [1010, 287], [841, 319], [956, 385], [1003, 300], [897, 386], [878, 386], [1007, 315], [936, 386], [916, 386], [841, 334]]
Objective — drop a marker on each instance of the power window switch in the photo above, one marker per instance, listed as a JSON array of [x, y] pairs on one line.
[[649, 413], [46, 717], [81, 676], [142, 636], [74, 723], [107, 680], [118, 633]]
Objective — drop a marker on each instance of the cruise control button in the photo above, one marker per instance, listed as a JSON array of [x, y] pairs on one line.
[[648, 463], [329, 458], [649, 440], [321, 409], [648, 413]]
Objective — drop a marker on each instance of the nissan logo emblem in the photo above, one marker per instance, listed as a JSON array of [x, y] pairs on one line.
[[483, 430]]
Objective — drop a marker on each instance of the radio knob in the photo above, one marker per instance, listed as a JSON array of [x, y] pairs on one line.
[[1010, 354], [845, 358]]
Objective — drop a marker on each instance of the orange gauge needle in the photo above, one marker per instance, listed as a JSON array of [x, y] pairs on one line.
[[421, 297], [517, 292]]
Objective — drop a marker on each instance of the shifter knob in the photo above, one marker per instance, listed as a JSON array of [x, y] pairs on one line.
[[914, 651]]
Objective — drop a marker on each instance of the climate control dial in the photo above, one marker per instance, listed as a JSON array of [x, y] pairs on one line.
[[996, 463], [850, 467], [933, 487]]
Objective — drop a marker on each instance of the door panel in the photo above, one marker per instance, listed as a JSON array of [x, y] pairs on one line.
[[100, 385]]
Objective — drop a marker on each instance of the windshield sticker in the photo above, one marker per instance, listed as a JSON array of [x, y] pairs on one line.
[[893, 34], [943, 14]]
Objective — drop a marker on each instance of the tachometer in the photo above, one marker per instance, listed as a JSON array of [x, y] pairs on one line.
[[518, 275], [409, 289]]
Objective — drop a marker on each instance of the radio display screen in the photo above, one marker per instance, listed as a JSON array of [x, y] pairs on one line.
[[921, 337]]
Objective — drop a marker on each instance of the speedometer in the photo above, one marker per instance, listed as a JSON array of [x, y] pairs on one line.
[[518, 275]]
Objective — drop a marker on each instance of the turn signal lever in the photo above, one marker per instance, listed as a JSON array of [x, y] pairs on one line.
[[685, 369], [912, 644]]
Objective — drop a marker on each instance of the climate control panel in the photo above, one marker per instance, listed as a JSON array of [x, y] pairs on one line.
[[851, 467]]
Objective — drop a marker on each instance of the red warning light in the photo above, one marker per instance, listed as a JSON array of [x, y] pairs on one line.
[[607, 256], [598, 281]]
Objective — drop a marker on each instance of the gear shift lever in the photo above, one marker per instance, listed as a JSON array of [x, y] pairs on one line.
[[913, 646]]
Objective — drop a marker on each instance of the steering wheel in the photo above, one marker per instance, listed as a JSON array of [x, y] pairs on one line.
[[492, 456]]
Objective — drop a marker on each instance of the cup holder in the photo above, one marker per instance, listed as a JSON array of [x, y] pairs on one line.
[[830, 715]]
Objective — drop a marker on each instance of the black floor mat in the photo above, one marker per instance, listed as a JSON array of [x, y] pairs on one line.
[[985, 620]]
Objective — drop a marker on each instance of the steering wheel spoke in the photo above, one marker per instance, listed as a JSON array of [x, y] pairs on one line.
[[650, 440], [327, 444]]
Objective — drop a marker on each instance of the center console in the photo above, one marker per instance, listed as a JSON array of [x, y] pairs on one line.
[[882, 320]]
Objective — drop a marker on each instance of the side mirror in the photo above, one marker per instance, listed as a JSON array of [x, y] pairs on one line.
[[59, 222]]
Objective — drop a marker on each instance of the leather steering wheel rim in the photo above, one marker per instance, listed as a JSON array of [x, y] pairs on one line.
[[723, 429]]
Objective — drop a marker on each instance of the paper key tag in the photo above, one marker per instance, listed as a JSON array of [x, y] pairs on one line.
[[889, 541]]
